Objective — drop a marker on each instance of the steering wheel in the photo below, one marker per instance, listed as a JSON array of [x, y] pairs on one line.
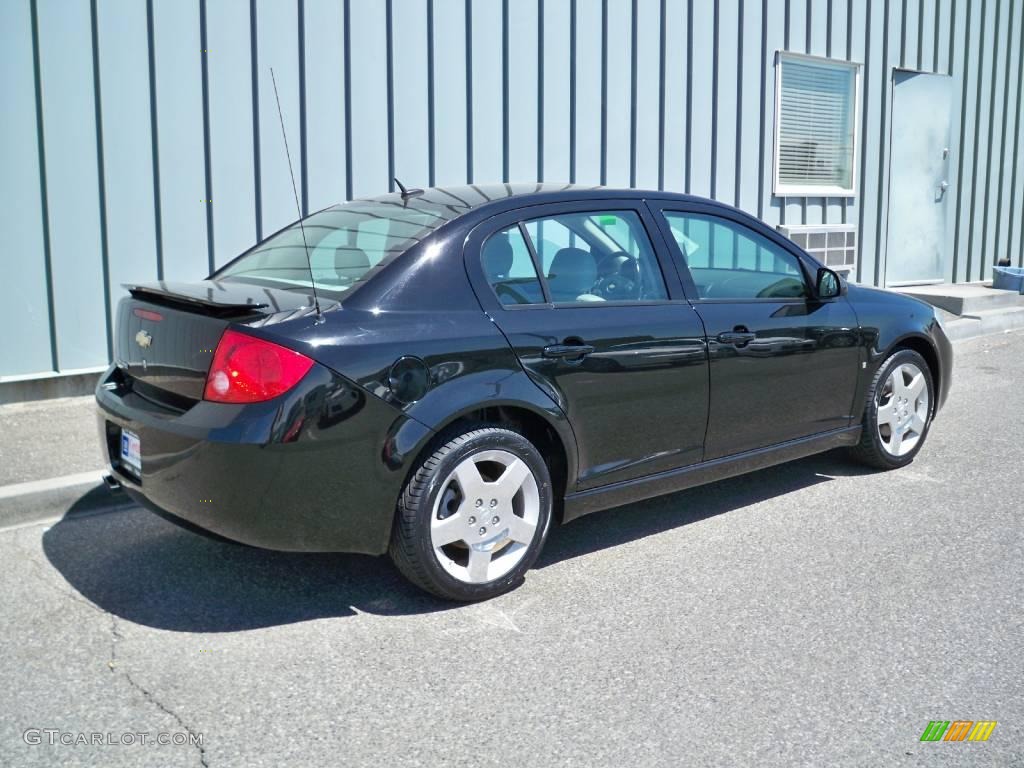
[[615, 287]]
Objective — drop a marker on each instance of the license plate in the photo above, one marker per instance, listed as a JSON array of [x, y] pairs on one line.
[[131, 451]]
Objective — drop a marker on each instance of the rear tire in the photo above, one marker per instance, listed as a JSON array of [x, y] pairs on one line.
[[473, 516], [898, 412]]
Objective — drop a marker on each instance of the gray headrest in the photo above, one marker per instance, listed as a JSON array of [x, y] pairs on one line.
[[573, 272], [497, 257]]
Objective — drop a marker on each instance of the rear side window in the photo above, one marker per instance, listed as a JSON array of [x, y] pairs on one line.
[[589, 256], [596, 256], [509, 268], [730, 261]]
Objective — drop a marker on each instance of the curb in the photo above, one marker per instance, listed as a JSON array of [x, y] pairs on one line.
[[43, 500]]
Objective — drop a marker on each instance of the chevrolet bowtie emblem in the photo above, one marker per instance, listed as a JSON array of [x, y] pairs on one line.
[[144, 339]]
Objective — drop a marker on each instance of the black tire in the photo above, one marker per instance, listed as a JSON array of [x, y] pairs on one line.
[[871, 450], [411, 549]]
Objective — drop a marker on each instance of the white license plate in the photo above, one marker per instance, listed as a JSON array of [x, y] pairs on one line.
[[131, 451]]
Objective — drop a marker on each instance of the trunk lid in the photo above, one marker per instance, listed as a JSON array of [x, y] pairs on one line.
[[166, 333]]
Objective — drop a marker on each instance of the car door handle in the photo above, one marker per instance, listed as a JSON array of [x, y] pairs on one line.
[[568, 351], [736, 338]]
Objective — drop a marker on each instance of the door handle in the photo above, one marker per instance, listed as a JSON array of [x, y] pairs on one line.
[[568, 351], [737, 338]]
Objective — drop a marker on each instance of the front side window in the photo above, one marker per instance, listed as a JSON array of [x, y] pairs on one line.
[[815, 126], [730, 261]]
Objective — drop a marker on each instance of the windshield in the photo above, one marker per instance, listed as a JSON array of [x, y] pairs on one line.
[[347, 245]]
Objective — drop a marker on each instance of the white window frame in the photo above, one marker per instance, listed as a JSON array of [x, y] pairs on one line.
[[811, 190]]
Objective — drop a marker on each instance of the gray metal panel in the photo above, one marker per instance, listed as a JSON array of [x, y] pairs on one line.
[[24, 313], [69, 130], [690, 106]]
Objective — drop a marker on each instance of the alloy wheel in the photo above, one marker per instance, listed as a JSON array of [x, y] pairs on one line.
[[903, 409], [485, 516]]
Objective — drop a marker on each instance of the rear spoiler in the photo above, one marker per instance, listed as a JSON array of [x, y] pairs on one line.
[[192, 297]]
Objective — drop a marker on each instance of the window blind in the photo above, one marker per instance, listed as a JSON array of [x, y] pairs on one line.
[[816, 125]]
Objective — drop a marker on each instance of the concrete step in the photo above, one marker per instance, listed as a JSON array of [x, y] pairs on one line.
[[964, 299], [983, 323]]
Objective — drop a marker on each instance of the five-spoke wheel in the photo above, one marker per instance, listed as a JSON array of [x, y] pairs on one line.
[[898, 411], [473, 517]]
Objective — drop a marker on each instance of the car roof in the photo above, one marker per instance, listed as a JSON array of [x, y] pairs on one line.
[[493, 198]]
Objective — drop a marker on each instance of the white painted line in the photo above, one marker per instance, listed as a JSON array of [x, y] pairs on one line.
[[52, 484]]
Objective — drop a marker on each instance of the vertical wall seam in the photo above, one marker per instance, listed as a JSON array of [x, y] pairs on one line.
[[828, 28], [468, 13], [572, 91], [884, 108], [431, 124], [786, 13], [540, 90], [903, 33], [632, 96], [963, 125], [807, 49], [389, 53], [1014, 218], [604, 92], [763, 118], [101, 179], [505, 65], [663, 23], [808, 23], [974, 161], [158, 229], [1002, 139], [988, 151], [208, 204], [920, 34], [935, 41], [952, 32], [715, 34], [303, 153], [866, 88], [346, 37], [689, 96], [738, 170], [849, 55], [44, 196], [257, 171]]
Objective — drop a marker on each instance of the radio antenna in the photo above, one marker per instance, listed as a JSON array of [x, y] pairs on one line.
[[295, 191]]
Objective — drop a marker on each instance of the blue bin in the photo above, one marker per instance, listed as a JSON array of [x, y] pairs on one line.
[[1008, 278]]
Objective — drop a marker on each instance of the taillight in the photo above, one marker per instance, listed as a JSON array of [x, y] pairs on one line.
[[250, 370]]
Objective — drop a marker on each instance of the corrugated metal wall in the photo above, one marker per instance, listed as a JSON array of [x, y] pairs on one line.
[[140, 137]]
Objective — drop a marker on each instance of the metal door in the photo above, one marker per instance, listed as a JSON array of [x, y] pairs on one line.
[[919, 188]]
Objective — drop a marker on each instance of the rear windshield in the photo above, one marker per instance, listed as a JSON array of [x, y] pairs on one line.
[[347, 245]]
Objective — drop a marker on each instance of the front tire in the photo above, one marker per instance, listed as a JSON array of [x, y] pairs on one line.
[[473, 516], [898, 412]]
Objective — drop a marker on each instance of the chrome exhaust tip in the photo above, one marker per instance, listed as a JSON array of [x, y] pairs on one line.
[[111, 482]]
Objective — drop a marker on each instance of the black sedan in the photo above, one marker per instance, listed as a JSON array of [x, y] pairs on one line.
[[439, 374]]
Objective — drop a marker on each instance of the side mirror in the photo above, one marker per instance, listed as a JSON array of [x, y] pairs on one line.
[[829, 284]]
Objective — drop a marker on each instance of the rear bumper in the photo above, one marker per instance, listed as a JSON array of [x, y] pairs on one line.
[[318, 469]]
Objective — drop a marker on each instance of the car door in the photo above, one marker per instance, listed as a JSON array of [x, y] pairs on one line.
[[783, 364], [580, 294]]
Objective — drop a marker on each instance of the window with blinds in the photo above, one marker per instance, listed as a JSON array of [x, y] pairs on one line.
[[815, 126]]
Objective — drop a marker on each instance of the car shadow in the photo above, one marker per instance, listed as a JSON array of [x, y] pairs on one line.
[[139, 567]]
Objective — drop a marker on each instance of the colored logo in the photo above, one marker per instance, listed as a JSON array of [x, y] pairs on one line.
[[958, 730]]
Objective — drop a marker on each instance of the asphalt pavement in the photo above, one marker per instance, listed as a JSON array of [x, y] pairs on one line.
[[816, 613]]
